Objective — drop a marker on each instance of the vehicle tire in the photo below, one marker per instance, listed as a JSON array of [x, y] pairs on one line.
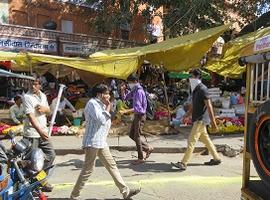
[[259, 141]]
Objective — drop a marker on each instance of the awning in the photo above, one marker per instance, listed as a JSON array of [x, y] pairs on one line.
[[228, 65], [4, 73], [118, 68], [186, 75], [175, 54]]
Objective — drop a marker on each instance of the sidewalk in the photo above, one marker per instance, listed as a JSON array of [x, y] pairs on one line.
[[162, 144]]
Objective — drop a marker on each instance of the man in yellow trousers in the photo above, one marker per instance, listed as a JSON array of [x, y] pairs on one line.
[[202, 110]]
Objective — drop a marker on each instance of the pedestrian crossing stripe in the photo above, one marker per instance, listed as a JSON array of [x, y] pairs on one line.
[[194, 180]]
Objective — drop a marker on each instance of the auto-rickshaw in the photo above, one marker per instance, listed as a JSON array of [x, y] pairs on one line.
[[257, 129]]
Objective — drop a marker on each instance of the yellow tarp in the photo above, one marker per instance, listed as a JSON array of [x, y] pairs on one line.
[[106, 67], [175, 54], [5, 56], [233, 50]]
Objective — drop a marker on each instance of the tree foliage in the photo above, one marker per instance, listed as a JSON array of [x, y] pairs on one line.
[[180, 16]]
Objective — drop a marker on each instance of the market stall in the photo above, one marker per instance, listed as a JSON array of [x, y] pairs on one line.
[[172, 55], [20, 81]]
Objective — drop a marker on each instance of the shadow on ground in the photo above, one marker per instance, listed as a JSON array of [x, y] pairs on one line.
[[77, 163], [148, 166]]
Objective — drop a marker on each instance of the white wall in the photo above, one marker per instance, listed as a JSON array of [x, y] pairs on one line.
[[3, 11]]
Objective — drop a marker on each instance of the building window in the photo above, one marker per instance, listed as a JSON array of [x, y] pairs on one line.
[[125, 34], [125, 30], [41, 20], [19, 18], [67, 26]]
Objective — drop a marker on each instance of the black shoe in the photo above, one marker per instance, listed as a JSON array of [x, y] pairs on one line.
[[132, 192], [47, 188], [181, 166], [213, 162]]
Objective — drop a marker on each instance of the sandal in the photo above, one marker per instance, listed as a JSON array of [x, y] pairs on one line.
[[138, 162], [148, 153]]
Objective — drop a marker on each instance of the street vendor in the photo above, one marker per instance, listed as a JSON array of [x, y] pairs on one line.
[[16, 111], [62, 112], [181, 114]]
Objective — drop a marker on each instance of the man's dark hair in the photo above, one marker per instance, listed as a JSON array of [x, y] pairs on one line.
[[133, 78], [196, 73], [16, 98], [37, 79], [99, 89]]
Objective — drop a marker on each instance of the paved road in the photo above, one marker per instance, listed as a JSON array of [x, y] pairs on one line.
[[157, 178]]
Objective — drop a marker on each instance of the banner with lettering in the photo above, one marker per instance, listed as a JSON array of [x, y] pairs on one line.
[[18, 44]]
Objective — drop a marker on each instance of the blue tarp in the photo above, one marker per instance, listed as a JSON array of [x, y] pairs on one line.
[[4, 73]]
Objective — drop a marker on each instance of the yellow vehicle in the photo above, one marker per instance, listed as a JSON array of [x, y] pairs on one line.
[[257, 130]]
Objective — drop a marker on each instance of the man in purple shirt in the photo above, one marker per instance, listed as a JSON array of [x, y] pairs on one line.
[[138, 97]]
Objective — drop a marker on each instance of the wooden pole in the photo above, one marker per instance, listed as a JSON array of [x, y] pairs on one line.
[[166, 94], [29, 60]]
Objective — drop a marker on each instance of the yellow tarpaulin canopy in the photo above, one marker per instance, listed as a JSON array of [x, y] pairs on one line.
[[228, 65], [105, 67], [175, 54]]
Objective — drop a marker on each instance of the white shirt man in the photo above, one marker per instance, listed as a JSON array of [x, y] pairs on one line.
[[35, 125], [31, 101]]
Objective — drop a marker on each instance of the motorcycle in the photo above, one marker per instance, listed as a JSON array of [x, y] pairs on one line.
[[25, 171]]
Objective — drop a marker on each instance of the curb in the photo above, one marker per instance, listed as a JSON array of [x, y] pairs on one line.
[[220, 148]]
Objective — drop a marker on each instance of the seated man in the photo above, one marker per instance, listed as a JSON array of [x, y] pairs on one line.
[[62, 112], [181, 114], [17, 111]]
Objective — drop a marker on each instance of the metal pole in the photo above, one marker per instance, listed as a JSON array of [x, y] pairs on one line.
[[262, 82], [251, 78], [56, 108], [268, 81], [256, 81]]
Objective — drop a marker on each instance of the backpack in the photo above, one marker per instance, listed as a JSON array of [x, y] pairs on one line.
[[151, 105]]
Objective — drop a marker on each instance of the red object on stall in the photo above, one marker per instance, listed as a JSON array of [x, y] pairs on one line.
[[6, 64]]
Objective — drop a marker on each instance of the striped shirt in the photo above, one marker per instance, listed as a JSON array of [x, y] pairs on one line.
[[98, 123]]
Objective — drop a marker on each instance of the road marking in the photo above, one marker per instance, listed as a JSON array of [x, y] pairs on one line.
[[194, 180]]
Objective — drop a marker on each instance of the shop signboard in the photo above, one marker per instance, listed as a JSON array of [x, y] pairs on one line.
[[19, 44], [79, 49], [262, 44]]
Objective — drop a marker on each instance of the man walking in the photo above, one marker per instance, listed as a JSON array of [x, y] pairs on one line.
[[138, 97], [201, 110], [35, 125], [98, 123]]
